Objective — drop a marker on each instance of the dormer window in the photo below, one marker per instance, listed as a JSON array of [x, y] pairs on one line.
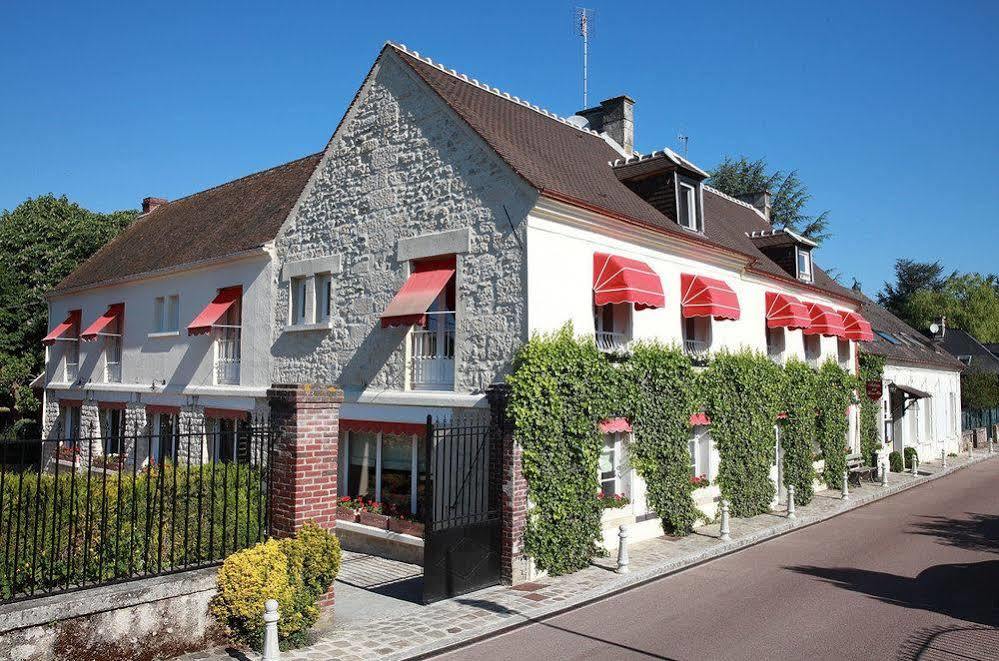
[[804, 264], [686, 206]]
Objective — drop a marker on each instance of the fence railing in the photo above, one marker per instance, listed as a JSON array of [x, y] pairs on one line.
[[973, 419], [72, 517]]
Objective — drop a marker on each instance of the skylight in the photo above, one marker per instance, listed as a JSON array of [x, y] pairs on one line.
[[888, 337]]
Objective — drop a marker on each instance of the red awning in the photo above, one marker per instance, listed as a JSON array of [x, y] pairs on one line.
[[230, 414], [857, 328], [707, 297], [825, 321], [152, 409], [785, 311], [70, 328], [376, 426], [699, 419], [215, 310], [622, 280], [114, 313], [410, 305], [612, 425]]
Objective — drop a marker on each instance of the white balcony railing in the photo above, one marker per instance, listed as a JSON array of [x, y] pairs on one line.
[[227, 355], [609, 340], [696, 348], [72, 372], [433, 358], [112, 372], [112, 359], [775, 353]]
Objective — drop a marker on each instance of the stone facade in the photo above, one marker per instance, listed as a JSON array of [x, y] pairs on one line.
[[404, 165]]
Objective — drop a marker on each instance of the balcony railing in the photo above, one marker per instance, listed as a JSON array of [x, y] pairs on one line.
[[609, 340], [812, 361], [433, 358], [227, 355], [775, 353], [696, 348], [72, 372], [112, 372]]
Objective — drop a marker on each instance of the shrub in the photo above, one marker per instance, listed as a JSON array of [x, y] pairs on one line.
[[895, 461], [296, 572], [910, 454]]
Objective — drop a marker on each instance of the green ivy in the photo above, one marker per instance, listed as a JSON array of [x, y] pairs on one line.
[[797, 437], [836, 388], [871, 369]]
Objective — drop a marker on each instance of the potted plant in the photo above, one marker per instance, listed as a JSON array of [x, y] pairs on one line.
[[403, 523], [346, 508], [371, 515], [613, 501], [700, 481]]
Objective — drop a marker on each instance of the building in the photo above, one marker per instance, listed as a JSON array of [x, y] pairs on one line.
[[443, 224], [921, 383], [978, 358]]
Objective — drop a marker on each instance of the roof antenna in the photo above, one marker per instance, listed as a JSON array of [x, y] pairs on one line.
[[584, 26], [684, 139]]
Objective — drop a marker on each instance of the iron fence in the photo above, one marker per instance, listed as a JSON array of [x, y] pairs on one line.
[[973, 419], [94, 510]]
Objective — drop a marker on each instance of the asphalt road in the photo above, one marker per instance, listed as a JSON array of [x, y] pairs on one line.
[[914, 576]]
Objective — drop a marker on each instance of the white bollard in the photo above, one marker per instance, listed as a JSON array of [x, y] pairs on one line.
[[622, 549], [990, 446], [725, 532], [846, 485], [271, 616], [971, 450], [915, 467], [884, 474], [790, 503], [943, 458]]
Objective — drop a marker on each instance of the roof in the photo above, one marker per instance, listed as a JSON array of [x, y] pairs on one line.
[[910, 347], [219, 222], [962, 343]]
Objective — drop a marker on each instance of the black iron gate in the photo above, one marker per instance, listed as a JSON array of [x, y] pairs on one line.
[[461, 549]]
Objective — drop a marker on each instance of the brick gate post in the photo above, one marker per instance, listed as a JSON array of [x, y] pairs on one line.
[[304, 458], [515, 566]]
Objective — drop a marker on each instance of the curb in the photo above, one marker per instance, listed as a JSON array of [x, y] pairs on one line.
[[639, 578]]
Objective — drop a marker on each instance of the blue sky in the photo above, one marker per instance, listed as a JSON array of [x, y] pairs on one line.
[[888, 110]]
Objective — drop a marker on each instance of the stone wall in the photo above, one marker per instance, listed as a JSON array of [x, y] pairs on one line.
[[404, 165]]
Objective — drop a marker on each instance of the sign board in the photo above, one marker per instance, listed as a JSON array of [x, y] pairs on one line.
[[874, 390]]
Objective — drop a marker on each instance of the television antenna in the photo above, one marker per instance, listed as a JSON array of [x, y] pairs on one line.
[[584, 27], [683, 140]]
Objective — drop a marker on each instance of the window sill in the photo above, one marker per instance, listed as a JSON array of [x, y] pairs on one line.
[[158, 334], [299, 328]]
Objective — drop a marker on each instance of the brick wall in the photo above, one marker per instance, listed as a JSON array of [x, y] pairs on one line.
[[515, 564]]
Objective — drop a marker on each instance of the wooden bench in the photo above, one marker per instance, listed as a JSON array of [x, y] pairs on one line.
[[856, 469]]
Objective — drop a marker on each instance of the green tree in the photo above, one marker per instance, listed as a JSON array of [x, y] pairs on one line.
[[910, 277], [788, 195], [41, 241]]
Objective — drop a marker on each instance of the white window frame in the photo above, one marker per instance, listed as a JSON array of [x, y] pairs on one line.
[[71, 367], [619, 465], [106, 429], [806, 273], [227, 342], [156, 450], [166, 314], [776, 343], [159, 314], [324, 297], [815, 360], [344, 479], [432, 350], [612, 338], [112, 348], [71, 425], [690, 192], [843, 362], [699, 449], [700, 344], [298, 296]]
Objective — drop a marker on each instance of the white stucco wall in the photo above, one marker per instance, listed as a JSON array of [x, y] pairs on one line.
[[185, 363], [944, 388]]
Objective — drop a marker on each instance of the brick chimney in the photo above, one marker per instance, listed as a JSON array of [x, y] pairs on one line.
[[152, 203], [760, 200], [616, 118]]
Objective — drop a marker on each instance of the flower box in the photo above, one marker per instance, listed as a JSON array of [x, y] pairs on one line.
[[374, 520], [406, 527], [346, 513]]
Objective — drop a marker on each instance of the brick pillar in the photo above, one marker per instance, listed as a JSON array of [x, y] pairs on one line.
[[515, 564], [304, 459]]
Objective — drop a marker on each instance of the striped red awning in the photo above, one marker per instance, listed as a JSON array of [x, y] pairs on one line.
[[215, 311], [68, 330], [707, 297], [611, 425], [622, 280], [825, 321], [115, 312], [699, 419], [410, 305], [857, 328], [786, 311]]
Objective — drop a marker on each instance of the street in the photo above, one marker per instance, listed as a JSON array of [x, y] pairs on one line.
[[914, 576]]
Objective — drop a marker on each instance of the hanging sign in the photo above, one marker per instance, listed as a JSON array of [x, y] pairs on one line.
[[874, 390]]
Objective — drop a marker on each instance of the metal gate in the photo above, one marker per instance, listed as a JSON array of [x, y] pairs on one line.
[[461, 551]]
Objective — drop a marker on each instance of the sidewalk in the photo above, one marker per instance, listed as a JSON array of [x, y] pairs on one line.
[[423, 630]]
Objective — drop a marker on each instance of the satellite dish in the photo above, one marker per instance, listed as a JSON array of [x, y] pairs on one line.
[[934, 328], [578, 121]]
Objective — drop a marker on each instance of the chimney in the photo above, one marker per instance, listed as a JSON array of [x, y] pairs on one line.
[[616, 118], [760, 200], [150, 204]]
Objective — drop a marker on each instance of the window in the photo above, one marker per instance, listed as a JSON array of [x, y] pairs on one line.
[[228, 349], [612, 325], [71, 349], [699, 447], [888, 337], [388, 468], [813, 349], [687, 207], [228, 440], [71, 425], [299, 291], [112, 353], [697, 335], [843, 347], [164, 437], [931, 431], [113, 430], [775, 343], [804, 258], [432, 345], [166, 314], [612, 467], [324, 297], [955, 414]]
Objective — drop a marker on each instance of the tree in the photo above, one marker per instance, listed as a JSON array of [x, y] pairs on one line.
[[41, 241], [911, 276], [788, 195]]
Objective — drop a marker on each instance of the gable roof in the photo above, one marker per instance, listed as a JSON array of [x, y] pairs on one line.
[[918, 351], [963, 343], [218, 222]]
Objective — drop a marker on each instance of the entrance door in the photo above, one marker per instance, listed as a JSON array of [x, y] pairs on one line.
[[461, 551]]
